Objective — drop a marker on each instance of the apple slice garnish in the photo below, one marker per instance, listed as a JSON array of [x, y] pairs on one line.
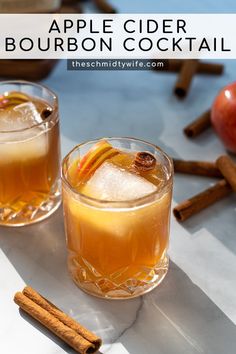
[[105, 156], [98, 154], [12, 99]]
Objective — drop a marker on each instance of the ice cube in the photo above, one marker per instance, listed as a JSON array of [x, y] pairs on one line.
[[115, 184], [22, 116], [18, 143], [21, 146], [28, 113]]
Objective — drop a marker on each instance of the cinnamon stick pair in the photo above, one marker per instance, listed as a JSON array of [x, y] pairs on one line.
[[226, 168], [63, 326]]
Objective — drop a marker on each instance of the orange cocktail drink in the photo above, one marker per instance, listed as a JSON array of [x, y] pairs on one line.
[[117, 197], [29, 153]]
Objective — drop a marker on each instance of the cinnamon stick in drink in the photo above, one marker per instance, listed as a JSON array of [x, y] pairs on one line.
[[187, 72], [200, 168], [228, 169], [199, 125], [50, 321], [194, 205]]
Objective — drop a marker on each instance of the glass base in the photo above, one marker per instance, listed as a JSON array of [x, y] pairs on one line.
[[146, 280], [29, 214]]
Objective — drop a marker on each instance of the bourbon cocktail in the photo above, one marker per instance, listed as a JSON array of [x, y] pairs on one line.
[[29, 153], [117, 197]]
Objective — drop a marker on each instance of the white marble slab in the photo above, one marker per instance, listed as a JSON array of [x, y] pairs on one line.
[[181, 316]]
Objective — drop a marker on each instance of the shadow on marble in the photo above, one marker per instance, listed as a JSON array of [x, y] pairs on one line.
[[38, 254], [47, 333], [182, 319], [177, 317], [204, 138]]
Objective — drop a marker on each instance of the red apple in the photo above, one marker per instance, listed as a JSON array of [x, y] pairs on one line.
[[223, 116]]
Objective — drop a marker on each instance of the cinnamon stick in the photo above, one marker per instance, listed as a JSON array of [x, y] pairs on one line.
[[174, 65], [61, 316], [194, 205], [210, 68], [187, 72], [200, 168], [228, 169], [105, 7], [202, 123], [50, 321]]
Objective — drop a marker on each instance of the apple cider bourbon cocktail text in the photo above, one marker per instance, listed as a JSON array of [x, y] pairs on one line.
[[132, 34]]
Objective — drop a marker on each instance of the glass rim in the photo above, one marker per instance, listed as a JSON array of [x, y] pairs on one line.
[[30, 83], [123, 203]]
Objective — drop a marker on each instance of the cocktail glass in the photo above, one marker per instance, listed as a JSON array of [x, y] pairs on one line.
[[117, 248], [29, 153]]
